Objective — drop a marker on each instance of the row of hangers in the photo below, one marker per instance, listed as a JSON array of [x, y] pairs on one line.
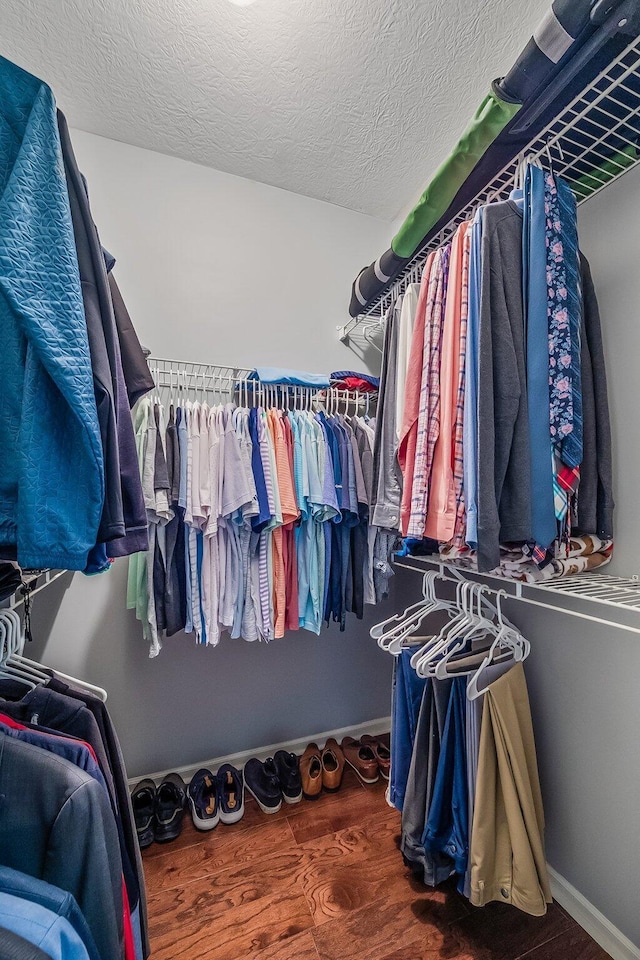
[[14, 665], [478, 641]]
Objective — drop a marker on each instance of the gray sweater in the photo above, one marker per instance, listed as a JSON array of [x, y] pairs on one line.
[[504, 467], [386, 485]]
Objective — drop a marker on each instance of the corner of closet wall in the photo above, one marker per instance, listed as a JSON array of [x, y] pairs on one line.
[[218, 269]]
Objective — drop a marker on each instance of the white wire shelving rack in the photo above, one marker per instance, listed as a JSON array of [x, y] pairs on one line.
[[33, 581], [220, 384], [592, 142], [596, 597]]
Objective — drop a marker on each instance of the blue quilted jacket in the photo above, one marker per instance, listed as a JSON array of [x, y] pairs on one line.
[[51, 468]]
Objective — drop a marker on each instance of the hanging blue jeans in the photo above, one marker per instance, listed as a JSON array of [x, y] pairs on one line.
[[406, 699], [447, 827], [432, 867]]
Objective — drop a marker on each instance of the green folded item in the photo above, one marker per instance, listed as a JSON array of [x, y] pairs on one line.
[[609, 169], [489, 120]]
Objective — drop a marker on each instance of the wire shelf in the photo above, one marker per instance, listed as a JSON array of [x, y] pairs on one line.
[[216, 383], [593, 141], [33, 581], [611, 601]]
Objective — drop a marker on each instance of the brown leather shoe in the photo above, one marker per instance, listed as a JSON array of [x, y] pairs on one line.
[[381, 752], [332, 765], [311, 772], [361, 758]]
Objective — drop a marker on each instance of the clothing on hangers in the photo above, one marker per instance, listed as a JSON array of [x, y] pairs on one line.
[[68, 445], [258, 521], [67, 815], [463, 762], [507, 386]]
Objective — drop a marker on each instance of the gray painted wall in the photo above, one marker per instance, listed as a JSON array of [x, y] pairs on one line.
[[214, 268]]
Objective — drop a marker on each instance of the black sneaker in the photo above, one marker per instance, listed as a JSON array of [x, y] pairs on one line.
[[230, 794], [288, 771], [263, 784], [170, 803], [143, 800], [203, 800]]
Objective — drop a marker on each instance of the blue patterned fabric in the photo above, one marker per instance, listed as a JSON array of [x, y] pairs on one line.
[[51, 469], [543, 516], [565, 392]]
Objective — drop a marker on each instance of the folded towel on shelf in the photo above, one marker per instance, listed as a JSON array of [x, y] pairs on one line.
[[293, 378]]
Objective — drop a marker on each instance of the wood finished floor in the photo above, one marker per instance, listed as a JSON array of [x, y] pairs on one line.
[[324, 880]]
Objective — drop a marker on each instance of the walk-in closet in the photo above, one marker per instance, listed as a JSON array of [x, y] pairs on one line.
[[319, 589]]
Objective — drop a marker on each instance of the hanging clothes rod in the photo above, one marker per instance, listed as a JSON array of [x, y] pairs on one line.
[[592, 142], [615, 594]]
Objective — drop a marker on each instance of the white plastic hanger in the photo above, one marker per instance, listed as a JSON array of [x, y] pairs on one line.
[[459, 618], [508, 638], [5, 669], [480, 626], [378, 629], [15, 645], [396, 638]]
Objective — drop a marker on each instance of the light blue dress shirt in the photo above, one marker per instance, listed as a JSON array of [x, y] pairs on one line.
[[45, 929]]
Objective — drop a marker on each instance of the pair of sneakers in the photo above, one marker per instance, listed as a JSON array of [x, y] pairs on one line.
[[159, 811], [273, 781], [216, 797]]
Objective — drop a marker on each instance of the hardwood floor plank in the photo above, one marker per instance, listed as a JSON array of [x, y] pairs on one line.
[[222, 924], [253, 816], [392, 924], [506, 933], [227, 889], [187, 838], [334, 812], [217, 852], [335, 889], [379, 834], [301, 947], [574, 944]]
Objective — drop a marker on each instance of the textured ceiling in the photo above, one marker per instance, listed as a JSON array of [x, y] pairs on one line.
[[351, 101]]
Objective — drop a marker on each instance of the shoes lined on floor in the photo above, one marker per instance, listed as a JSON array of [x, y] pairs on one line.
[[288, 772], [263, 784], [212, 798], [333, 763], [143, 800], [381, 752], [273, 781], [219, 798], [311, 772], [216, 798], [368, 756], [159, 811], [203, 799], [230, 794]]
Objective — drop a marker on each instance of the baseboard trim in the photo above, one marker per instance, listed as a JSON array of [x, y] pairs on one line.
[[372, 727], [612, 940]]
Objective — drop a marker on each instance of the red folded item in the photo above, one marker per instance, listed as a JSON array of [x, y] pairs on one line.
[[355, 383]]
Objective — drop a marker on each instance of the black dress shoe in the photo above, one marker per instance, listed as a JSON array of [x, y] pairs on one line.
[[143, 800], [171, 799], [288, 771]]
